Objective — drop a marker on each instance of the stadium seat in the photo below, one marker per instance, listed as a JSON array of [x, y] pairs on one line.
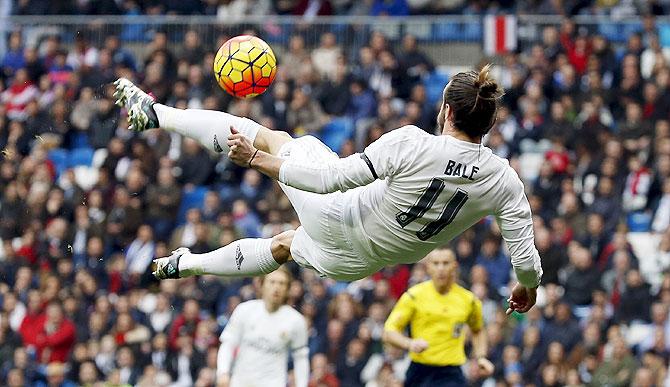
[[336, 132], [81, 156], [59, 158], [193, 198], [434, 84]]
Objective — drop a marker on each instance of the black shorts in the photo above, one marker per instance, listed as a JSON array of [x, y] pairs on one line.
[[421, 375]]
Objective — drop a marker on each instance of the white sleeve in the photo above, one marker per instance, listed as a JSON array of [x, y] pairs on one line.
[[383, 158], [372, 368], [516, 225], [339, 175], [230, 338], [300, 353]]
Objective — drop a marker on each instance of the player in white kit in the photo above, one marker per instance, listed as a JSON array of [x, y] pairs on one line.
[[259, 336], [406, 194]]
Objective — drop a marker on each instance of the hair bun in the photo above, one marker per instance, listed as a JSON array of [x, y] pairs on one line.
[[488, 87]]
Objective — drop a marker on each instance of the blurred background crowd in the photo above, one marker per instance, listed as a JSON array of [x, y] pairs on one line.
[[85, 204], [309, 8]]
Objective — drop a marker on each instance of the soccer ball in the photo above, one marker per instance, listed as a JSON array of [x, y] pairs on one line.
[[245, 66]]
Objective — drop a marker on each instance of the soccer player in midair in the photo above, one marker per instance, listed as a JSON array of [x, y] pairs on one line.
[[406, 194]]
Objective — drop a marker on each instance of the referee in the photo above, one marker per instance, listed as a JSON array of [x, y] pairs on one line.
[[437, 310]]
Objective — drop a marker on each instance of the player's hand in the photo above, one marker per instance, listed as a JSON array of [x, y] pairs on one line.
[[241, 148], [417, 345], [485, 366], [521, 299]]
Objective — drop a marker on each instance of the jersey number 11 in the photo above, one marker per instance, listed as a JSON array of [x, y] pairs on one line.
[[426, 201]]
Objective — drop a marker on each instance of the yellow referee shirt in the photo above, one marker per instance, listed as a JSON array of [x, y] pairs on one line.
[[439, 320]]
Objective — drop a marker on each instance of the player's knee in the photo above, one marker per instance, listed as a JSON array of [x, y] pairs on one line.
[[281, 246]]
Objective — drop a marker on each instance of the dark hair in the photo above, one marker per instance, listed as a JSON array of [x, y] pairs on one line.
[[473, 98]]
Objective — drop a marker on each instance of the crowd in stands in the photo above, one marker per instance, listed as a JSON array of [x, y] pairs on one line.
[[310, 8], [86, 204]]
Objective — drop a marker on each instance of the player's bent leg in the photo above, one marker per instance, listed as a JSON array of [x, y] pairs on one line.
[[271, 141], [243, 258], [281, 246]]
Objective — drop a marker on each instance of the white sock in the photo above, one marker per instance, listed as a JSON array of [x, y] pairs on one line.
[[211, 128], [242, 258]]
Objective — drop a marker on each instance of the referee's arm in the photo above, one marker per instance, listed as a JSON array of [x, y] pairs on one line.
[[396, 323], [480, 347]]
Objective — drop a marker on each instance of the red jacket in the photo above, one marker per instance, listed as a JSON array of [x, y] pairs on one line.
[[578, 58], [178, 325], [30, 326], [59, 343]]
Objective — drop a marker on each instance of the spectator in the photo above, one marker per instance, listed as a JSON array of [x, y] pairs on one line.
[[614, 280], [129, 373], [195, 164], [553, 257], [531, 355], [321, 375], [84, 56], [563, 329], [185, 323], [620, 369], [14, 57], [413, 62], [54, 335], [350, 366], [18, 95], [55, 375], [163, 199], [334, 91], [326, 56], [580, 277], [635, 302], [304, 115], [296, 55], [495, 262]]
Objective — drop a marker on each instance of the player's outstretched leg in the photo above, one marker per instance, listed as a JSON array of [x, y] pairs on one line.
[[242, 258], [208, 127]]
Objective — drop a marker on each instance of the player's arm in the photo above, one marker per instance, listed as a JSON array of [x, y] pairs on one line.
[[230, 339], [479, 340], [384, 158], [397, 322], [300, 354], [516, 225]]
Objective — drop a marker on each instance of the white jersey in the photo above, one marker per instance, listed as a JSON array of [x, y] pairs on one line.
[[262, 342], [417, 192]]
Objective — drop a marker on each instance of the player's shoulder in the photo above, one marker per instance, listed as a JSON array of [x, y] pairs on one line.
[[250, 305], [419, 290], [499, 162], [406, 133], [291, 312], [510, 178]]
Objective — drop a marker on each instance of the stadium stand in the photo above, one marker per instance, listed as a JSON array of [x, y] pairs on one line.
[[586, 123]]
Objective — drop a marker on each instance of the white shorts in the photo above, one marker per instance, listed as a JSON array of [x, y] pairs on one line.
[[320, 243]]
